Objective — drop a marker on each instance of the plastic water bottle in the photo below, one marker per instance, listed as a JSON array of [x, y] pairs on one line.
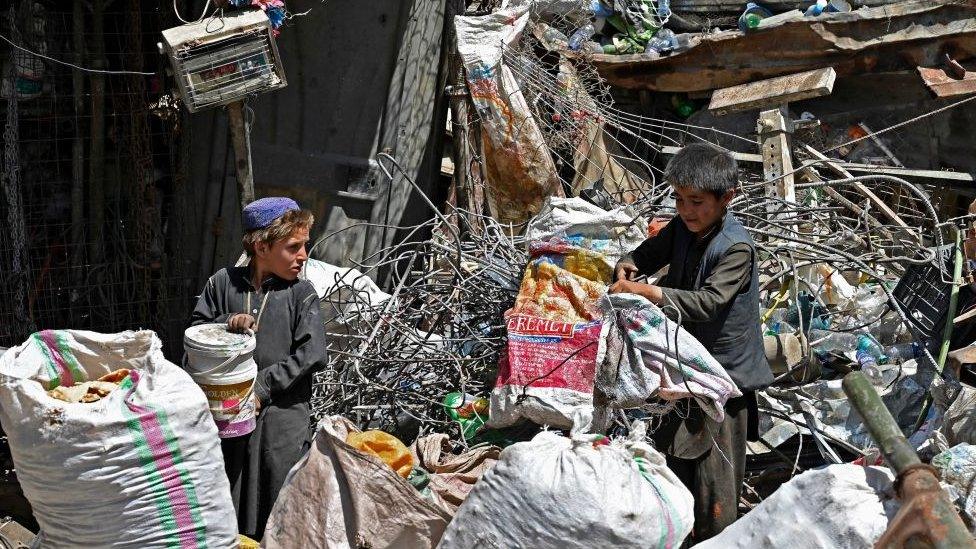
[[553, 38], [581, 36], [869, 366], [750, 18], [903, 351], [825, 340], [663, 9], [816, 9], [867, 343], [663, 42], [599, 9], [682, 105]]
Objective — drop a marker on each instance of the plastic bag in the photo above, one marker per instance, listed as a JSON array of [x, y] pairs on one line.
[[519, 168], [547, 371], [339, 497], [139, 468], [385, 446], [579, 492], [452, 475]]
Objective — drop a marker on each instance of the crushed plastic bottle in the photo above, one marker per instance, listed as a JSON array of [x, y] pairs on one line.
[[663, 9], [662, 43], [903, 351], [815, 316], [581, 36], [816, 9], [469, 411], [554, 39], [779, 327], [682, 105], [600, 9]]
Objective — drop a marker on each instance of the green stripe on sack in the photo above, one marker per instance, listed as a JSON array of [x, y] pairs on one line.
[[52, 368], [77, 372], [159, 496], [643, 466], [191, 493]]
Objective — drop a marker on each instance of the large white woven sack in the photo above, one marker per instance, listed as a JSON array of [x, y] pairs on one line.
[[841, 506], [141, 468], [575, 493]]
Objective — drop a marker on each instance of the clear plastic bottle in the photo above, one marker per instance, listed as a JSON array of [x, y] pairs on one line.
[[662, 43], [582, 34], [664, 9], [869, 366], [827, 341], [867, 343], [903, 351]]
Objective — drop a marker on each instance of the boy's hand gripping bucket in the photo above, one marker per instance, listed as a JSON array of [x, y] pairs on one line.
[[222, 364]]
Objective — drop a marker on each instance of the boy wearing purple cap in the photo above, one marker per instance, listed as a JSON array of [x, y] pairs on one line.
[[267, 297]]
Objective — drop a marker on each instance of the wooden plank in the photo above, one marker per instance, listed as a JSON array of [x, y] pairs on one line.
[[774, 145], [740, 157], [909, 172], [773, 91], [858, 168], [903, 36], [861, 188], [943, 85]]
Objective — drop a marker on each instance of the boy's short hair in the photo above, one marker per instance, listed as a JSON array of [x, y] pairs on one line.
[[279, 229], [703, 167]]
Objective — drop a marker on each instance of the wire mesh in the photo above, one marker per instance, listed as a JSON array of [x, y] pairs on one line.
[[94, 175]]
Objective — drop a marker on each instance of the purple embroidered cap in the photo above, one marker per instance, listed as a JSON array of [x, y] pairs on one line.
[[262, 212]]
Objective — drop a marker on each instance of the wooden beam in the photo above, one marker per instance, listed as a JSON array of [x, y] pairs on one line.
[[943, 85], [858, 168], [876, 201], [773, 91], [774, 145], [739, 157], [242, 152], [909, 172]]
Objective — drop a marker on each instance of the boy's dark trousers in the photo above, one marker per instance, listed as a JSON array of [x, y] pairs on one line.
[[715, 478]]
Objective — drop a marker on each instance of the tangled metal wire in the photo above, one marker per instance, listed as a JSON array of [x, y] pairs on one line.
[[440, 331]]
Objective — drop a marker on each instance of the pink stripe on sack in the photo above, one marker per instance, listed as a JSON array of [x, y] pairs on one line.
[[67, 380], [167, 469]]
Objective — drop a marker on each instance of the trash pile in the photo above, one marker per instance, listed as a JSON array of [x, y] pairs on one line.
[[641, 27], [499, 328], [485, 389]]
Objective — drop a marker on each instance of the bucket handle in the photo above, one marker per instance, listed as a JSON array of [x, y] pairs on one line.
[[219, 366]]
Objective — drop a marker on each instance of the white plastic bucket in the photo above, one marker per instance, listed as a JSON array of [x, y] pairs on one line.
[[222, 364]]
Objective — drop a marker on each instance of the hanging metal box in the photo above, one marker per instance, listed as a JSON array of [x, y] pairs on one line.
[[223, 59]]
